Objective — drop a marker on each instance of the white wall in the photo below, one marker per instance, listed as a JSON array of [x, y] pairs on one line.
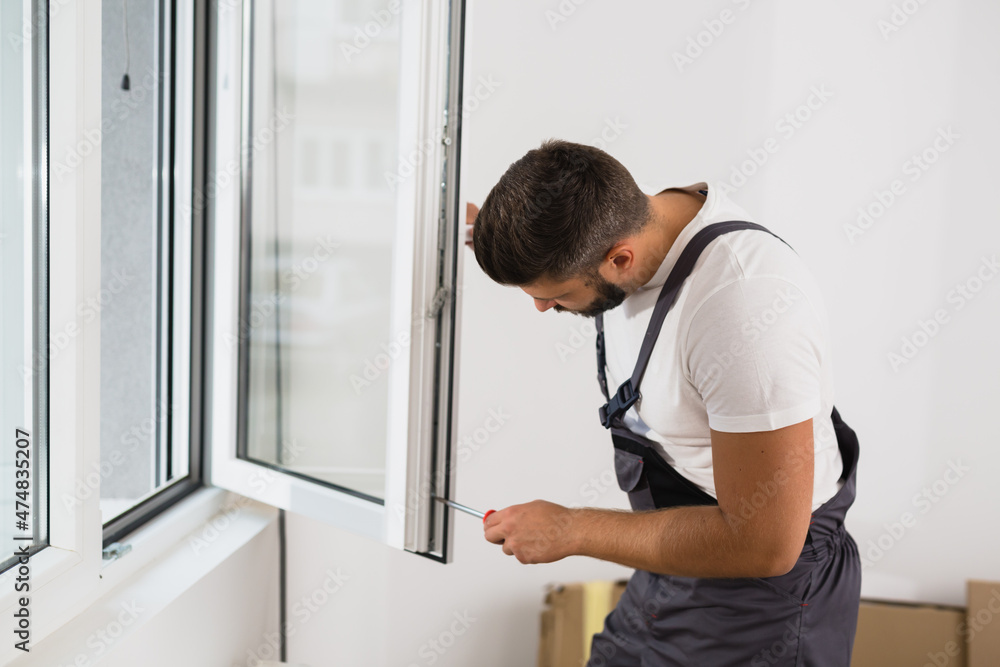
[[353, 602], [612, 62], [914, 417]]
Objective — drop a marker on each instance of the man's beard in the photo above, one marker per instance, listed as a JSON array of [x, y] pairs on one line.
[[609, 296]]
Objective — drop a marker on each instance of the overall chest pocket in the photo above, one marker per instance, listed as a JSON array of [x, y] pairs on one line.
[[629, 468]]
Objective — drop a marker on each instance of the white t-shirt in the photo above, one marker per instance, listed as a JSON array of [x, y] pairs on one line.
[[745, 347]]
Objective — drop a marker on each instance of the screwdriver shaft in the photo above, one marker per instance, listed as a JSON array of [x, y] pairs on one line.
[[461, 508]]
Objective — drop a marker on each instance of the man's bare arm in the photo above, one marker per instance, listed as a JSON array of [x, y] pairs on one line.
[[764, 484]]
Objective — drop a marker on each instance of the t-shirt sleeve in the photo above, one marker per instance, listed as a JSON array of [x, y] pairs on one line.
[[754, 353]]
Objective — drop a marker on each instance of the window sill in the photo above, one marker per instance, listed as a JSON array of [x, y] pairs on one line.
[[168, 556]]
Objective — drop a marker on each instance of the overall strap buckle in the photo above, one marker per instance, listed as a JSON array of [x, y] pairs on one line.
[[619, 404]]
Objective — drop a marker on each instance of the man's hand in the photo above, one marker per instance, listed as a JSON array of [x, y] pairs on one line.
[[536, 532], [471, 211]]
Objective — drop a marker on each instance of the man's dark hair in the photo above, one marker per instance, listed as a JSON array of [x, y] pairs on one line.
[[555, 214]]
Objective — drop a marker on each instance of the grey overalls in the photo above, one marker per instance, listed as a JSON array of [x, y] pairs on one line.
[[805, 617]]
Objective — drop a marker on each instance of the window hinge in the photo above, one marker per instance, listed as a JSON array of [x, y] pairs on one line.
[[437, 303], [115, 550]]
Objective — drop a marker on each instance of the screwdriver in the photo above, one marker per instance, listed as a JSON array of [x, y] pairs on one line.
[[463, 508]]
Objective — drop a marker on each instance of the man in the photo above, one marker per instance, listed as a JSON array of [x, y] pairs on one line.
[[713, 348]]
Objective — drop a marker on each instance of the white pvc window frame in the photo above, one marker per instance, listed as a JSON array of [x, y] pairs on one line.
[[69, 574], [419, 459], [65, 573]]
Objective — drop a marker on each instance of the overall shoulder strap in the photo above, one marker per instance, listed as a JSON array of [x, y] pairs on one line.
[[628, 392]]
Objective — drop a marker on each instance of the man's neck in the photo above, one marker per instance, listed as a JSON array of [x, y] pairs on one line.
[[672, 210]]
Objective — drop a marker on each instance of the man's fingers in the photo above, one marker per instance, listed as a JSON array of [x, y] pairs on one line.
[[471, 212], [492, 529], [494, 519]]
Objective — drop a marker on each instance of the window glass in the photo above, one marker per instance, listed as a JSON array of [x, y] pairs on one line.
[[325, 92], [24, 341], [138, 399]]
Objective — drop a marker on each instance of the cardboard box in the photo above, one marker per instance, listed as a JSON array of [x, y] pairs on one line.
[[982, 628], [573, 614], [890, 634], [894, 634]]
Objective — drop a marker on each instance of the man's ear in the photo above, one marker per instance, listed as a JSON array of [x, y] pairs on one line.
[[619, 262]]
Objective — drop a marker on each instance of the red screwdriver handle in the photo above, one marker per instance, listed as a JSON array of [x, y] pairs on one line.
[[488, 513]]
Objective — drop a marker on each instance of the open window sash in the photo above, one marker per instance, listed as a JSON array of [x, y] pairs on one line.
[[422, 301]]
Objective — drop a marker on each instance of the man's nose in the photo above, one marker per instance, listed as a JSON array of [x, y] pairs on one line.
[[542, 306]]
